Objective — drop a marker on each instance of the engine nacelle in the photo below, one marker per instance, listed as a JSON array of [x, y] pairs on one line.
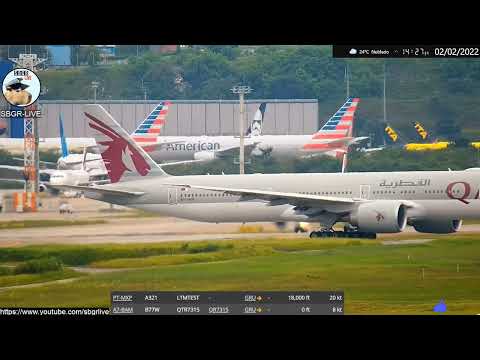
[[380, 217], [262, 149], [204, 155], [42, 187], [438, 226]]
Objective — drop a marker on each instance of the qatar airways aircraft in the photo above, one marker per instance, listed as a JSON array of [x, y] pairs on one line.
[[375, 202]]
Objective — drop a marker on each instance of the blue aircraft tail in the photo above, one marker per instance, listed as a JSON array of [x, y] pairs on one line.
[[62, 138]]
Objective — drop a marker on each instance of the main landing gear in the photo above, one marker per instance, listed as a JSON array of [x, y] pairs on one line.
[[347, 233]]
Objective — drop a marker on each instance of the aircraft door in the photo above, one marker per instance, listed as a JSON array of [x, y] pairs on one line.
[[364, 192], [172, 196]]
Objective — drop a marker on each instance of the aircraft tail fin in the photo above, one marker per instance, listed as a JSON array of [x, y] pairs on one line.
[[341, 123], [65, 152], [120, 153], [255, 128], [420, 130], [392, 134], [338, 129], [150, 128]]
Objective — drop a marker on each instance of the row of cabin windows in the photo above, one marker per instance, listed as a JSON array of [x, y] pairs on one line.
[[441, 191], [326, 192], [192, 195], [383, 192]]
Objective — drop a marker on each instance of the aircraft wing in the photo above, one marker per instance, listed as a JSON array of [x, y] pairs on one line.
[[40, 161], [180, 162], [232, 150], [94, 189], [280, 198], [9, 172], [347, 140]]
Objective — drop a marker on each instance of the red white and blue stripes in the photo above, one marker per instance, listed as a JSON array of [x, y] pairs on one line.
[[148, 131], [339, 126]]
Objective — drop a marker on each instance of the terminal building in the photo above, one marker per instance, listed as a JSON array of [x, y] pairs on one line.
[[185, 117]]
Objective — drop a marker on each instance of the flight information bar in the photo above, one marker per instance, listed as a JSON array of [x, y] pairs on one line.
[[227, 303], [405, 51]]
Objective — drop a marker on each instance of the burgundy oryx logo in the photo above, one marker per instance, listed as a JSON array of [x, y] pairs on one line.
[[462, 194], [119, 156]]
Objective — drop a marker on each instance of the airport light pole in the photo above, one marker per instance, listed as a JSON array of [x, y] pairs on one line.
[[347, 77], [384, 92], [241, 90], [94, 85], [144, 88]]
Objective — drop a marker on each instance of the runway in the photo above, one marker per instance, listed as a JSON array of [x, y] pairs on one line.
[[124, 226]]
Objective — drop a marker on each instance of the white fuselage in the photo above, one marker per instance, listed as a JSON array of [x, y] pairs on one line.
[[292, 146], [75, 162], [197, 148], [439, 195], [179, 148]]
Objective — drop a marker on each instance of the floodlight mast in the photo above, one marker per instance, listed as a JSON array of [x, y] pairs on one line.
[[30, 138], [94, 85], [241, 90]]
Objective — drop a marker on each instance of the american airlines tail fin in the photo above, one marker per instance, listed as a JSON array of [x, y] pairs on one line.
[[341, 123], [120, 153], [337, 131], [62, 137], [255, 128], [150, 128]]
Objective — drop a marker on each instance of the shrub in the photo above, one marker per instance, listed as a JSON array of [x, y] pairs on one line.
[[203, 248], [5, 270], [39, 266]]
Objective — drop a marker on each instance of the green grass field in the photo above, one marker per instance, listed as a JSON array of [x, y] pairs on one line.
[[376, 278]]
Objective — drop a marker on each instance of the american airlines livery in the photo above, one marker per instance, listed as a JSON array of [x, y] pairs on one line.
[[165, 149], [333, 139], [371, 202]]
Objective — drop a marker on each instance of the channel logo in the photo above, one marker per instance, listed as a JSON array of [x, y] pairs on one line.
[[21, 87]]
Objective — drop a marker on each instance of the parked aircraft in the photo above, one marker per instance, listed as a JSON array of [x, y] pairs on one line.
[[333, 139], [370, 202], [166, 149], [72, 169]]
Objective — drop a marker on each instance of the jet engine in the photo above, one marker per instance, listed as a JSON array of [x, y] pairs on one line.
[[262, 149], [380, 217], [42, 187], [204, 155], [437, 226]]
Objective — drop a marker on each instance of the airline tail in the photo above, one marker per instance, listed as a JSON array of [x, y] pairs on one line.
[[255, 128], [150, 128], [337, 130], [62, 138], [392, 134], [120, 153], [342, 121], [420, 130]]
